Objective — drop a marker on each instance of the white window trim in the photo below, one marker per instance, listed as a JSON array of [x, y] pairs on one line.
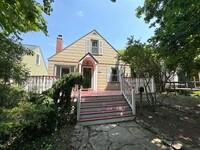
[[36, 58]]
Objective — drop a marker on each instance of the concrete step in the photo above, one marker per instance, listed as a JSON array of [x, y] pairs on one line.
[[108, 113], [103, 120], [102, 102]]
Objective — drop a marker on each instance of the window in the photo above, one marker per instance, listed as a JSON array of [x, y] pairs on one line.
[[65, 70], [112, 75], [94, 47], [61, 70], [37, 59]]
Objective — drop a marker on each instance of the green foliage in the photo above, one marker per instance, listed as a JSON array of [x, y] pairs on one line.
[[11, 68], [177, 31], [142, 58], [24, 122], [197, 93], [121, 51], [61, 94], [28, 116], [19, 16], [10, 96]]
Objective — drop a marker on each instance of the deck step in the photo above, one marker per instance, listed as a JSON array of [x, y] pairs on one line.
[[104, 109], [105, 114], [86, 122], [102, 97], [99, 103], [101, 100], [111, 107]]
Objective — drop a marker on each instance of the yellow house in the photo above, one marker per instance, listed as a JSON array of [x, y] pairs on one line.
[[35, 63], [92, 56]]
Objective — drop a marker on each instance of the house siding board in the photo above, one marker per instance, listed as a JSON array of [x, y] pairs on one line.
[[30, 63], [74, 52]]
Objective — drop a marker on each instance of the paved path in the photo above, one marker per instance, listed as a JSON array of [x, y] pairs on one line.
[[117, 136]]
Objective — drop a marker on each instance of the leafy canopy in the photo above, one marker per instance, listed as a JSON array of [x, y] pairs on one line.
[[142, 58], [11, 68], [23, 16], [177, 30]]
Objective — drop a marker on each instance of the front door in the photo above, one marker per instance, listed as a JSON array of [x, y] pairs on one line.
[[87, 73]]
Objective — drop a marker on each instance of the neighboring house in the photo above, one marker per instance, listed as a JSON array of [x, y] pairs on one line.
[[92, 56], [35, 63]]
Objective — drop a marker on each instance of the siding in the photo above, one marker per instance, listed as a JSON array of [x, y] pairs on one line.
[[30, 63]]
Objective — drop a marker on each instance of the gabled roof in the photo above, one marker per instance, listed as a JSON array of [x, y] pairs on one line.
[[88, 54], [31, 47], [83, 37]]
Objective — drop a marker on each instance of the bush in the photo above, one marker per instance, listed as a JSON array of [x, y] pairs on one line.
[[24, 122], [10, 96], [61, 93], [25, 116]]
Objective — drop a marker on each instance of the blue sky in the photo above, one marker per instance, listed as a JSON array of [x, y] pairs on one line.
[[75, 18]]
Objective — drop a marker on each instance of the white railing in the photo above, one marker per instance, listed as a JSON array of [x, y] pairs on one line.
[[78, 104], [38, 84], [141, 82], [129, 93], [76, 98]]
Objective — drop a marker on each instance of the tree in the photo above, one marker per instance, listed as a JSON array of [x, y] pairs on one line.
[[11, 68], [17, 17], [23, 16], [177, 30], [145, 63]]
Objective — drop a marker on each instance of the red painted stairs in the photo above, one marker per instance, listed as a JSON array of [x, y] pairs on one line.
[[104, 109]]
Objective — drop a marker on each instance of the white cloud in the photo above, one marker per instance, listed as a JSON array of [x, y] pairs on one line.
[[80, 13]]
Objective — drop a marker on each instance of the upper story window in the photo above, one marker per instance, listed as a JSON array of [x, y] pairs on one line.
[[94, 47], [37, 59]]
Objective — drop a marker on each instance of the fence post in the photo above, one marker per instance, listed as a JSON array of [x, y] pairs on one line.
[[152, 82], [78, 104], [133, 101], [121, 85]]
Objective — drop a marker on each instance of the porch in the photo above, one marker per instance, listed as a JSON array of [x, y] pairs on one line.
[[97, 107]]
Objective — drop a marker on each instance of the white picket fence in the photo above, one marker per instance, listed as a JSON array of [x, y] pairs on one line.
[[136, 83], [38, 84]]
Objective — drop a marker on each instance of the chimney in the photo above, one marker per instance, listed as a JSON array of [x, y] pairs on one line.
[[59, 44]]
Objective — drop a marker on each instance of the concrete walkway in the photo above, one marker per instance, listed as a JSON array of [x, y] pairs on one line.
[[117, 136]]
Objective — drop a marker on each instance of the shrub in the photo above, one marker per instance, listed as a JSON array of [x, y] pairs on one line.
[[61, 93], [10, 96], [27, 116], [24, 122]]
